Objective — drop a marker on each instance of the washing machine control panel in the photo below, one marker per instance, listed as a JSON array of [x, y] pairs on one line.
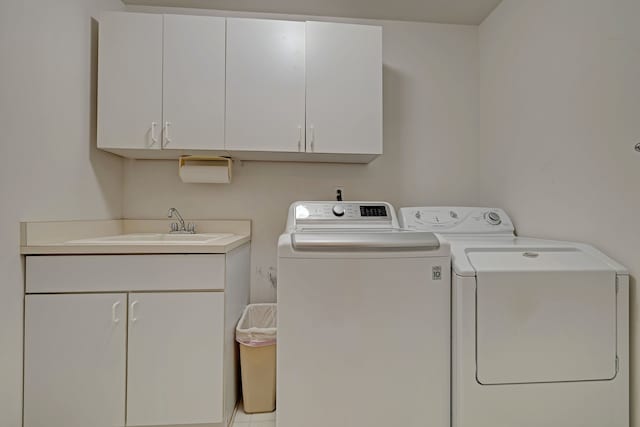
[[353, 214], [456, 220]]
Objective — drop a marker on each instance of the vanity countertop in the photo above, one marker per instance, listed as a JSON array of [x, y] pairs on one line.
[[127, 236]]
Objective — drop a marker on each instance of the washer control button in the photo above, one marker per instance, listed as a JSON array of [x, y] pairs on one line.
[[338, 210], [493, 218]]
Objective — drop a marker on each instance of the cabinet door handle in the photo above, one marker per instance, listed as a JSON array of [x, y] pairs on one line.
[[312, 131], [154, 140], [114, 307], [133, 309], [165, 133], [299, 138]]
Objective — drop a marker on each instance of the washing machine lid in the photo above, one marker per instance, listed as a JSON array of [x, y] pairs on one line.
[[544, 316], [363, 240]]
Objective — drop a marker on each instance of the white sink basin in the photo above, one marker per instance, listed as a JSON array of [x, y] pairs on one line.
[[153, 239]]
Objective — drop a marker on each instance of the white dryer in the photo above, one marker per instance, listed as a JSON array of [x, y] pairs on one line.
[[540, 328], [363, 320]]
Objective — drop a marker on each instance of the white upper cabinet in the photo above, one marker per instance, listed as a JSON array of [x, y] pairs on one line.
[[161, 83], [254, 89], [193, 82], [130, 81], [344, 88], [265, 85]]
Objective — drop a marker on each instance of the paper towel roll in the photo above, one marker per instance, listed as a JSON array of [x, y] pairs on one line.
[[206, 170]]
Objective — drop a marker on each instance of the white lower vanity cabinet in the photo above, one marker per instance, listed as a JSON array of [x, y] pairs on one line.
[[174, 358], [132, 340], [75, 360]]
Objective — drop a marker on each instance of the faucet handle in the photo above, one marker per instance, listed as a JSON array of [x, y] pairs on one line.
[[174, 226], [191, 227]]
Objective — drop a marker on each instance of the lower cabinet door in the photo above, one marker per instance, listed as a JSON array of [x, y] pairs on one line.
[[75, 368], [175, 358]]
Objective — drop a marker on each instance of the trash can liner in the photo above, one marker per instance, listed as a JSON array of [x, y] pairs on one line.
[[258, 325]]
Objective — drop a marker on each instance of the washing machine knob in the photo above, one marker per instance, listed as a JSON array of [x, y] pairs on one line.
[[338, 210], [493, 218]]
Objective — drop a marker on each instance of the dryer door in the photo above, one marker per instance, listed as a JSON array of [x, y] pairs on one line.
[[544, 316]]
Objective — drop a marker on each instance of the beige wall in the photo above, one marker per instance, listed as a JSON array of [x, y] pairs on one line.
[[430, 128], [560, 114], [49, 171]]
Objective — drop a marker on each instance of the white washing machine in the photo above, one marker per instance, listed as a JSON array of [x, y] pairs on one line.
[[540, 328], [363, 320]]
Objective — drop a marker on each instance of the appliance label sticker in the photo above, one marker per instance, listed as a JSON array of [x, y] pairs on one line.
[[437, 272]]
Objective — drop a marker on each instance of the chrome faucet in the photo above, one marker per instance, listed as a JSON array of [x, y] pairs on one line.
[[180, 227]]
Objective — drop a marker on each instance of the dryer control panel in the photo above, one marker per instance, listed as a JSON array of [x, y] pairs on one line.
[[457, 220]]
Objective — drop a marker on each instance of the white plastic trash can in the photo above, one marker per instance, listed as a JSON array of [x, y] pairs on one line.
[[256, 334]]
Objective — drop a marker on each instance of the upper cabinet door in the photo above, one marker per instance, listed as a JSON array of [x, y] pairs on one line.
[[74, 360], [175, 358], [130, 80], [344, 88], [193, 82], [265, 85]]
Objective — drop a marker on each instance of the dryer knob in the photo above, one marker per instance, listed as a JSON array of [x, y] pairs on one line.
[[493, 218], [338, 210]]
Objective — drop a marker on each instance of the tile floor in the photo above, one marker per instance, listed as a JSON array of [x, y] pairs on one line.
[[253, 420]]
